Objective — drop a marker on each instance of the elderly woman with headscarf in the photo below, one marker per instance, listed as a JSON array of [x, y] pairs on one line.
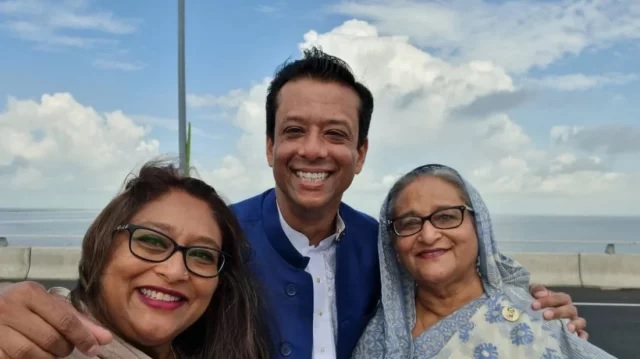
[[445, 291]]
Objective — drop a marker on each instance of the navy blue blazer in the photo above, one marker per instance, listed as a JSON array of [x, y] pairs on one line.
[[289, 289]]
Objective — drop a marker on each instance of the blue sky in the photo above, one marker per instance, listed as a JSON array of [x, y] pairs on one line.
[[516, 78], [229, 45]]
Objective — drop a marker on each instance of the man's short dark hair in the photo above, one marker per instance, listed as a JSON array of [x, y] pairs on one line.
[[319, 65]]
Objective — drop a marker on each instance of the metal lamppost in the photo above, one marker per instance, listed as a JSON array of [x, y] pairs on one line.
[[182, 109]]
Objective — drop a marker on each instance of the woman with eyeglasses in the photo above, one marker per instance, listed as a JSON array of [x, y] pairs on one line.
[[162, 268], [445, 285]]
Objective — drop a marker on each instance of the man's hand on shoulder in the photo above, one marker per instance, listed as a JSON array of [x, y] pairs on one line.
[[559, 305], [35, 324]]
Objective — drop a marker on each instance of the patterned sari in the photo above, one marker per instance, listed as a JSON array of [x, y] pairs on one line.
[[500, 324]]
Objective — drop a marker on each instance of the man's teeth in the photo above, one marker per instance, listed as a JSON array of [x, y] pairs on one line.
[[158, 296], [312, 176]]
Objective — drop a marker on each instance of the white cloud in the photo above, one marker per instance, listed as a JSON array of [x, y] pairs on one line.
[[608, 139], [71, 24], [61, 23], [416, 121], [267, 9], [97, 21], [57, 144], [46, 38], [581, 183], [230, 100], [518, 35], [562, 134], [449, 104], [581, 82], [244, 173], [27, 178], [564, 175], [117, 65], [171, 124]]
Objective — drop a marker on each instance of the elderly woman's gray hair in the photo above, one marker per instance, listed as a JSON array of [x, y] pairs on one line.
[[434, 170]]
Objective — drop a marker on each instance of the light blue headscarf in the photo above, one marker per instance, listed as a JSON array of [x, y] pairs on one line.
[[499, 324]]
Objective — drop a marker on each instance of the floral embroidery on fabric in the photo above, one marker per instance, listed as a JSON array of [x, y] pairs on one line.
[[521, 334], [485, 351], [550, 354], [494, 314], [441, 332], [464, 330]]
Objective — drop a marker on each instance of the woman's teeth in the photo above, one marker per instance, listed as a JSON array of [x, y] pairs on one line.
[[158, 295]]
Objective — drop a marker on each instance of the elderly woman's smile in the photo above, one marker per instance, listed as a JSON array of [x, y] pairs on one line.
[[436, 241], [429, 254]]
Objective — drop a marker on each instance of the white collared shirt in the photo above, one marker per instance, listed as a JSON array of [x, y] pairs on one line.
[[321, 267]]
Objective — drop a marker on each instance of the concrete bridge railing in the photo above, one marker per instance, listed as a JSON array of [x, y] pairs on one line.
[[606, 271], [589, 270]]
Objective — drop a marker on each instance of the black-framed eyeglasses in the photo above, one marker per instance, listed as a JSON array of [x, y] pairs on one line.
[[447, 218], [152, 246]]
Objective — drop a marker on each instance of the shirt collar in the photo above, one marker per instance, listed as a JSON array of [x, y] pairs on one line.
[[301, 242]]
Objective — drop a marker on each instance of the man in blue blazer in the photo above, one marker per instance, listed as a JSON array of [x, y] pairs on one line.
[[316, 256]]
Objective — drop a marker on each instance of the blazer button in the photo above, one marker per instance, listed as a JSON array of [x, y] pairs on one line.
[[285, 349], [291, 290]]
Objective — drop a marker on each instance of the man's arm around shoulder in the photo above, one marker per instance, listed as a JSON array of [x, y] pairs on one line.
[[35, 324]]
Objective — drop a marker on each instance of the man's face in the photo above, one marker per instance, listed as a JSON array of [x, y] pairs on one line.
[[314, 153]]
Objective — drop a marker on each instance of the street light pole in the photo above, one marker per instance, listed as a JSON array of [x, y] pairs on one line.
[[182, 110]]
